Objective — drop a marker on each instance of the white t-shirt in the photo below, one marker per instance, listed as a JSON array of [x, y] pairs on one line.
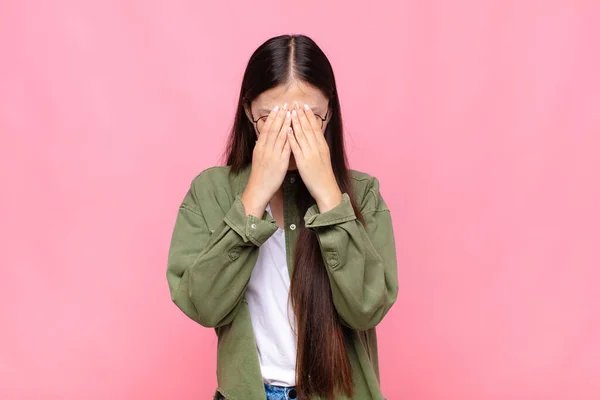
[[271, 313]]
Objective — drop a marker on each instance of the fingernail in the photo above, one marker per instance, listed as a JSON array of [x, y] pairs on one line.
[[306, 107], [294, 113], [296, 105], [276, 108], [285, 106], [287, 116]]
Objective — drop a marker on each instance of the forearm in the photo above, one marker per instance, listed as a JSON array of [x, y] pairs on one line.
[[208, 272], [360, 262]]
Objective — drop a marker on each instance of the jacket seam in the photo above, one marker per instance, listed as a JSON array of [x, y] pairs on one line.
[[334, 221], [366, 178], [192, 209], [374, 211]]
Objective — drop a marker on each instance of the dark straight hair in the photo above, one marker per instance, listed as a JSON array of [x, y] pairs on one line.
[[322, 364]]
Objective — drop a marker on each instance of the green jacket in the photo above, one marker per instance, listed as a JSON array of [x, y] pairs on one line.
[[215, 246]]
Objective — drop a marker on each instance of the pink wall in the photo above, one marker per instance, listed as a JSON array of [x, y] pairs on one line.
[[481, 119]]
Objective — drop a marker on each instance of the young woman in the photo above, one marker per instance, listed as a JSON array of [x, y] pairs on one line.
[[286, 252]]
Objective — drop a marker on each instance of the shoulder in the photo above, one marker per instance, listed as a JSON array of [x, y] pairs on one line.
[[208, 185], [367, 191], [215, 176], [361, 176]]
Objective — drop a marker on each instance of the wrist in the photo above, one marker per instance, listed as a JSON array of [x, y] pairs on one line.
[[252, 203], [330, 200]]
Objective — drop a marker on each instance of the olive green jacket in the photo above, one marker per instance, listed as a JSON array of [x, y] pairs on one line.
[[214, 248]]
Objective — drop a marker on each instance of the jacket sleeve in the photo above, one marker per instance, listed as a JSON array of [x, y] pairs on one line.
[[360, 259], [208, 270]]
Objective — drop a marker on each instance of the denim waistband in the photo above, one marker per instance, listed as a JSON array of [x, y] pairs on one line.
[[275, 392]]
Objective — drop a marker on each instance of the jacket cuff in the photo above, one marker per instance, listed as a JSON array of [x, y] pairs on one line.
[[341, 213], [249, 227]]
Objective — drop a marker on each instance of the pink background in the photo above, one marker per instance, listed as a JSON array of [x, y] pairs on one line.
[[481, 119]]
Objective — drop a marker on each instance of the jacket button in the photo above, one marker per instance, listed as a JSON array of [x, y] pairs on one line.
[[253, 226], [292, 226], [292, 394]]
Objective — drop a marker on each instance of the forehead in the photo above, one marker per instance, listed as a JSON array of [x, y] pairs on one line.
[[297, 91]]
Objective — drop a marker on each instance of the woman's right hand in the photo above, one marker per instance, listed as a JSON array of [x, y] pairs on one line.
[[270, 161]]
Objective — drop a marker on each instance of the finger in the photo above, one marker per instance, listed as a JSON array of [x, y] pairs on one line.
[[266, 126], [275, 127], [307, 127], [282, 135], [294, 144], [314, 122], [272, 118], [298, 133]]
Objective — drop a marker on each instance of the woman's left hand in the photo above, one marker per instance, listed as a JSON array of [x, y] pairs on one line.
[[313, 160]]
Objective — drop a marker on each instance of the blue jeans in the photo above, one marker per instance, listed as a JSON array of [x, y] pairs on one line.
[[275, 392]]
